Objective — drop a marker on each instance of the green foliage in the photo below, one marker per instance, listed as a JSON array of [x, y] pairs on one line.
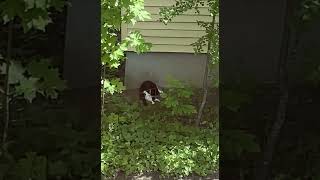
[[27, 81], [114, 13], [36, 77], [67, 156], [151, 145], [234, 100], [27, 88], [313, 76], [309, 9], [27, 153], [181, 6], [211, 117], [137, 139], [36, 166], [238, 142], [15, 72], [285, 177], [113, 54], [143, 139], [31, 167], [177, 98], [112, 86], [31, 13], [119, 105]]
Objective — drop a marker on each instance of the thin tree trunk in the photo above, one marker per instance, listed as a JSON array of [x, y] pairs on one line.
[[205, 93], [289, 45], [205, 83], [6, 102]]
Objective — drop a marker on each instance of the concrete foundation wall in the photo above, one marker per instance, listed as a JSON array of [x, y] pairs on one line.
[[156, 66]]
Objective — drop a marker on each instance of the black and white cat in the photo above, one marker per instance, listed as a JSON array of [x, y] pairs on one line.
[[149, 91]]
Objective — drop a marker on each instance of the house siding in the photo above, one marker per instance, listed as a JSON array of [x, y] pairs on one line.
[[176, 36]]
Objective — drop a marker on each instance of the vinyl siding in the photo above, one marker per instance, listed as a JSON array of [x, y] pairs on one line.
[[177, 36]]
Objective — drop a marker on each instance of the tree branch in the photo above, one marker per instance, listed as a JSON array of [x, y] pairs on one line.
[[7, 88]]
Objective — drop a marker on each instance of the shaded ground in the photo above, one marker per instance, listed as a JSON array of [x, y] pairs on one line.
[[155, 176], [213, 96]]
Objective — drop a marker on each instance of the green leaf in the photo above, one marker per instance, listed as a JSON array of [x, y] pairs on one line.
[[51, 82], [16, 71], [30, 4], [41, 4], [27, 88], [39, 23], [113, 85], [11, 8], [58, 168], [38, 68], [31, 167]]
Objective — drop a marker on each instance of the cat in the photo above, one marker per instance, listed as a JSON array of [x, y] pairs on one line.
[[150, 88], [148, 97]]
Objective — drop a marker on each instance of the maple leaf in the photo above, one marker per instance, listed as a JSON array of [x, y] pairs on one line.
[[51, 80], [27, 88], [38, 68]]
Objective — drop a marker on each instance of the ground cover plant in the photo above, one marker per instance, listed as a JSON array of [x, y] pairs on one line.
[[139, 140], [171, 138]]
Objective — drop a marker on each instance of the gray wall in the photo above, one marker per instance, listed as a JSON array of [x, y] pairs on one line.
[[82, 64], [156, 66], [251, 33]]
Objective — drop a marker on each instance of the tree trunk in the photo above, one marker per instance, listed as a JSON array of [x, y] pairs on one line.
[[205, 83], [289, 45], [205, 92]]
